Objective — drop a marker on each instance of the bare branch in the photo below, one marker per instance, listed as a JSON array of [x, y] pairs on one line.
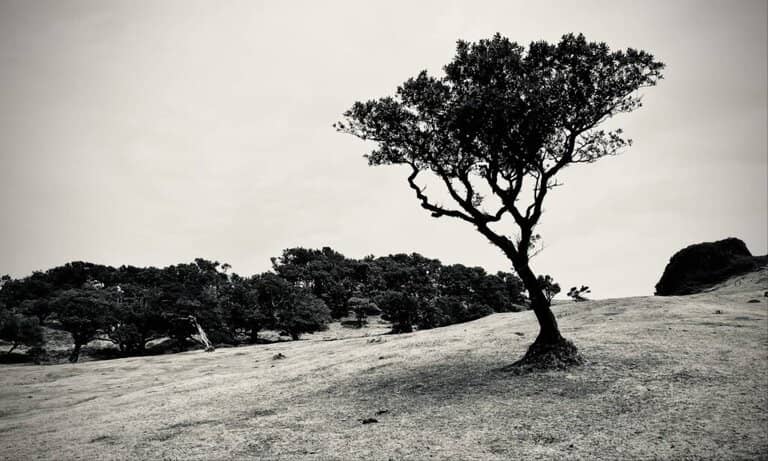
[[508, 196], [543, 185], [504, 243], [437, 211]]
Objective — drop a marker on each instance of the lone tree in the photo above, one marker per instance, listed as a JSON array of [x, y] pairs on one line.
[[500, 125], [578, 293]]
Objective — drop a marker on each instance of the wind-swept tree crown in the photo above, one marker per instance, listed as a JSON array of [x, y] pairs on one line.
[[503, 113]]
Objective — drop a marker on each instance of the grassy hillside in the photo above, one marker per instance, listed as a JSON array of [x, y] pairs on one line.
[[669, 378]]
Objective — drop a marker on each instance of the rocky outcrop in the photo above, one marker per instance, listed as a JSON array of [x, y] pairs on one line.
[[698, 267]]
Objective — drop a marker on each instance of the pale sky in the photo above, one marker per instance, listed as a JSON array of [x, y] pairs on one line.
[[151, 133]]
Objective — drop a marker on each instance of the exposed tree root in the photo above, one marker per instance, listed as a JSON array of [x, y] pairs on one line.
[[543, 356]]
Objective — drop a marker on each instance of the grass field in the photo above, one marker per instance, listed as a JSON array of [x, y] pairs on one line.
[[665, 378]]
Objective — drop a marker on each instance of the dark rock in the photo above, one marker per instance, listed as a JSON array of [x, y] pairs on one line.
[[369, 420], [700, 266], [278, 356]]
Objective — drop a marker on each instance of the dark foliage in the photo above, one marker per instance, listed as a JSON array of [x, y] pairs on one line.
[[135, 319], [243, 313], [400, 308], [302, 313], [29, 296], [18, 330], [362, 308], [548, 286], [326, 273], [131, 306], [84, 313]]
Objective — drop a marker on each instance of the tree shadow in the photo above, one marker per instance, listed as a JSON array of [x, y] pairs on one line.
[[460, 380]]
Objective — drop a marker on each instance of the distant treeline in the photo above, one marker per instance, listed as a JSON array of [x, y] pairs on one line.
[[131, 306]]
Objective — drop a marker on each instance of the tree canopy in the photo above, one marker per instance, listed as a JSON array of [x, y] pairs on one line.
[[136, 308], [504, 114]]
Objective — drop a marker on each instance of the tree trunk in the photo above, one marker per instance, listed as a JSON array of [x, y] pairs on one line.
[[41, 318], [550, 350], [75, 353], [402, 322], [549, 333], [402, 327]]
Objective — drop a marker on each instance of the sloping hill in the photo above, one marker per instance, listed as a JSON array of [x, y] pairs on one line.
[[666, 378]]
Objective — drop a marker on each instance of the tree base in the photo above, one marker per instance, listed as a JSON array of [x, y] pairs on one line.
[[542, 356]]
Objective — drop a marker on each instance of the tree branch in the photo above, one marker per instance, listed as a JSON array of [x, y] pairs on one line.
[[437, 211], [507, 196], [504, 243], [543, 185]]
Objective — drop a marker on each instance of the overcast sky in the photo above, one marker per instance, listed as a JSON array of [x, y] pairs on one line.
[[151, 133]]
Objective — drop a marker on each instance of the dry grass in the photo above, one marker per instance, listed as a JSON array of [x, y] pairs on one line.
[[666, 378]]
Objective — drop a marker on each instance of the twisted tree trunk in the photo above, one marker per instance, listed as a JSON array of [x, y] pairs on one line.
[[549, 332], [75, 355], [550, 350]]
